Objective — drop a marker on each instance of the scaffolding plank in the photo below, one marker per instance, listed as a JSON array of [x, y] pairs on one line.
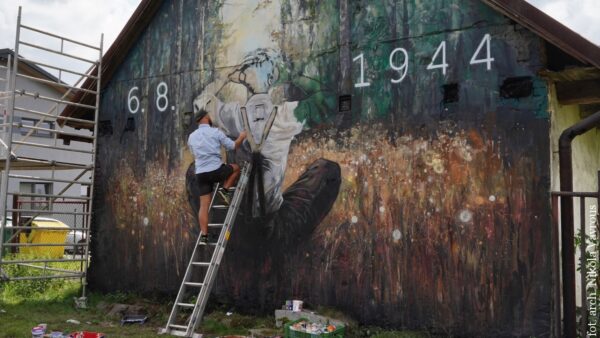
[[65, 276], [41, 145], [37, 63], [19, 227], [35, 112], [51, 99], [49, 212], [47, 179], [42, 244], [60, 37], [42, 261], [33, 45], [49, 164], [55, 131], [54, 83], [49, 196]]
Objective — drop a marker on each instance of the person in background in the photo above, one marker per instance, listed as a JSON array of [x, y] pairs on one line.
[[205, 144]]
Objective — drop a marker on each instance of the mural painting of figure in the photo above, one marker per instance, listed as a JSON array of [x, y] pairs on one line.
[[313, 194]]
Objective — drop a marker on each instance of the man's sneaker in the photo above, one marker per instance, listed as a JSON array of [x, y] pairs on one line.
[[224, 195], [203, 239]]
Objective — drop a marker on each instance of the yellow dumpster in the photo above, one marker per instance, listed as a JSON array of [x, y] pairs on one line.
[[56, 235]]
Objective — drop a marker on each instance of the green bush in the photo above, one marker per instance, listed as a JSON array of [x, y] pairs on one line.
[[25, 289]]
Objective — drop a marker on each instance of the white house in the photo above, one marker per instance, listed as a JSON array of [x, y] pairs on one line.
[[37, 133]]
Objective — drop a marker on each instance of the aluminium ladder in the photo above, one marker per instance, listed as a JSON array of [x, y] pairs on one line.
[[211, 267]]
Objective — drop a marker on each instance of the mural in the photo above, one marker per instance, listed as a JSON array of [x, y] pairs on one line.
[[421, 202]]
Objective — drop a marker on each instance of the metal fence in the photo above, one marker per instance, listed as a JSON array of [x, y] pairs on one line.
[[581, 212], [54, 242]]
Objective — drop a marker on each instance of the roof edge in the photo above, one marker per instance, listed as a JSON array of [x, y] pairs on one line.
[[520, 11], [549, 29], [117, 52]]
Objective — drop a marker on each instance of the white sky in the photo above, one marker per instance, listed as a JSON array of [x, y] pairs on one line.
[[85, 20]]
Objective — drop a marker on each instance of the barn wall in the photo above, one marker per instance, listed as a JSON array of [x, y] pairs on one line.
[[423, 205]]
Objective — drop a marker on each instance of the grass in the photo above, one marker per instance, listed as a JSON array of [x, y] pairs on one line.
[[25, 304], [56, 306]]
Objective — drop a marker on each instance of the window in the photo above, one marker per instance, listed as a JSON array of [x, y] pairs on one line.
[[27, 122]]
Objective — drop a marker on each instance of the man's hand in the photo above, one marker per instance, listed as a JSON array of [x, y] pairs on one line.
[[240, 139]]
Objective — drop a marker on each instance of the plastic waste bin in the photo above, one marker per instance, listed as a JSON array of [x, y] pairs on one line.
[[53, 232]]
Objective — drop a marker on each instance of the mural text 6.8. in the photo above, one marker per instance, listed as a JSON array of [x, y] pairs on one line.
[[161, 101], [438, 61]]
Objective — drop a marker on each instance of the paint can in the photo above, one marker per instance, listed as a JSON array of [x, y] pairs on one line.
[[37, 332], [288, 305], [297, 305]]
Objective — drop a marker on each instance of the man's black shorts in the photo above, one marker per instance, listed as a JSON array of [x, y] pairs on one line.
[[207, 180]]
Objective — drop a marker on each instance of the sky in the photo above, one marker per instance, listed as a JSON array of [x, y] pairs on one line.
[[85, 20]]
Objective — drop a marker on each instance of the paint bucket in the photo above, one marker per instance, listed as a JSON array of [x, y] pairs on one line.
[[37, 332], [288, 305], [297, 305]]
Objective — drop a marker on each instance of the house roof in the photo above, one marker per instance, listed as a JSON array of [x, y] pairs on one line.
[[518, 10], [32, 68]]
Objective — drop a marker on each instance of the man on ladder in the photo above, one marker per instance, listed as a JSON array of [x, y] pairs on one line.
[[205, 144]]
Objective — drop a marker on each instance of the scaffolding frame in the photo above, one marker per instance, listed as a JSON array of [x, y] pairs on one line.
[[18, 154]]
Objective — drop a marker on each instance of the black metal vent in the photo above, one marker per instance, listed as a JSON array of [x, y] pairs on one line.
[[516, 87], [451, 91]]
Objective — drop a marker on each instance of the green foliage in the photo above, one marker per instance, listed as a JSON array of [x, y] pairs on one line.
[[15, 291]]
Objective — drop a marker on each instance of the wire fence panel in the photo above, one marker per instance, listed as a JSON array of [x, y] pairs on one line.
[[55, 242]]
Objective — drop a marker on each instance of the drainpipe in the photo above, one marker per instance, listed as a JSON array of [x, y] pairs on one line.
[[566, 218]]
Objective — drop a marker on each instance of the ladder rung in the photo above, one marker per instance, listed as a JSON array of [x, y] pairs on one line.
[[181, 327], [213, 266]]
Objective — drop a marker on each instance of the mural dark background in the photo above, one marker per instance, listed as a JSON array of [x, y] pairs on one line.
[[425, 205]]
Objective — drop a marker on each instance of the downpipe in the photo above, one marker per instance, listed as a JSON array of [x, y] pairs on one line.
[[566, 218]]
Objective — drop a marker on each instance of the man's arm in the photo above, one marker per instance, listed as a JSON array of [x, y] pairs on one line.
[[228, 143], [240, 139]]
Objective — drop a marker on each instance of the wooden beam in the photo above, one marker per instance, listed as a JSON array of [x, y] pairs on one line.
[[578, 92]]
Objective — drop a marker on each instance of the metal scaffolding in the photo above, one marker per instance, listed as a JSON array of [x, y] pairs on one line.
[[25, 214]]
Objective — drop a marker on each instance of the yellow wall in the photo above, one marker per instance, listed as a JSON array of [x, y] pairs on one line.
[[586, 159], [586, 148]]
